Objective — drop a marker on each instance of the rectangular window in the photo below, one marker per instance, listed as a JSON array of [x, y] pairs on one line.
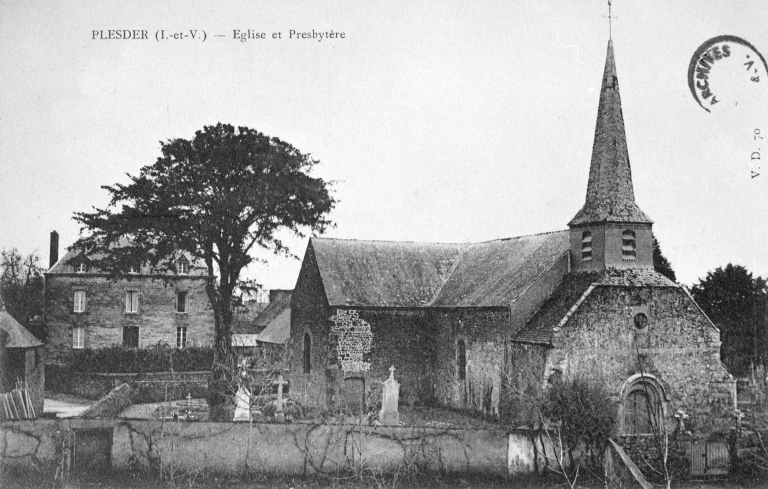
[[181, 302], [79, 301], [132, 301], [78, 337], [131, 336], [181, 337]]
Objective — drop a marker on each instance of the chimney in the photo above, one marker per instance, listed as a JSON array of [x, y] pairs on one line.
[[54, 251], [279, 294]]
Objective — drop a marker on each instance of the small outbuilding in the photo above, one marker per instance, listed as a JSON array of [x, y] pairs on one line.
[[272, 326], [22, 360]]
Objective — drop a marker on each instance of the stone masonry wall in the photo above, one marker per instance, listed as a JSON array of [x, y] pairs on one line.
[[401, 339], [105, 316], [237, 449], [522, 382], [484, 332], [678, 346]]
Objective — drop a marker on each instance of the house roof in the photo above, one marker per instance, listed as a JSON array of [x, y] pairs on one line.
[[407, 274], [279, 329], [573, 290], [272, 325], [610, 196], [18, 336], [278, 304], [197, 267]]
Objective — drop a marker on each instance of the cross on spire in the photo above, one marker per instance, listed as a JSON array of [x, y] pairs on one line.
[[610, 20]]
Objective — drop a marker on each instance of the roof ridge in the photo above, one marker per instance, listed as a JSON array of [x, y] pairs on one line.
[[520, 237], [465, 244], [386, 241]]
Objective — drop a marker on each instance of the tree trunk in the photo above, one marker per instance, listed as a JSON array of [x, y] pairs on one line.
[[220, 383]]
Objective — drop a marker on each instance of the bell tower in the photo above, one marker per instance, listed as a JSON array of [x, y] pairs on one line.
[[610, 231]]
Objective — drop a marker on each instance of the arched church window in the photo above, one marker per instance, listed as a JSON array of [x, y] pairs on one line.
[[643, 412], [586, 246], [628, 245], [307, 353], [461, 359]]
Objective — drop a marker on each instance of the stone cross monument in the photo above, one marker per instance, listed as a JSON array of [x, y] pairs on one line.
[[390, 397], [279, 415]]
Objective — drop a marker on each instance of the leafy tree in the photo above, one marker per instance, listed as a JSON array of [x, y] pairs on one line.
[[23, 290], [581, 411], [736, 302], [215, 198], [660, 262]]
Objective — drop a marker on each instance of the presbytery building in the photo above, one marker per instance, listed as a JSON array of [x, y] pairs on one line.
[[88, 308]]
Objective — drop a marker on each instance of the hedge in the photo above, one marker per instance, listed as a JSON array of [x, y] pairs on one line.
[[158, 358]]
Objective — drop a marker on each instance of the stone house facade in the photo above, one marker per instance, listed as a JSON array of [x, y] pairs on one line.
[[87, 308], [468, 326]]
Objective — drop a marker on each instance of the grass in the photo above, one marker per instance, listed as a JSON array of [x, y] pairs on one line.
[[124, 481]]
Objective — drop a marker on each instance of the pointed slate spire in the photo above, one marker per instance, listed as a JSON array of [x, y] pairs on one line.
[[610, 197]]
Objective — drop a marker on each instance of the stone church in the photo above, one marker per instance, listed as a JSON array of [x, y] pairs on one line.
[[465, 325]]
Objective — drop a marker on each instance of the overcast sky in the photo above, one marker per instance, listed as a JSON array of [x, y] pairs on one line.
[[439, 121]]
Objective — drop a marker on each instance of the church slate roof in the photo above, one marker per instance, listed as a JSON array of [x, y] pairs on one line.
[[495, 273], [573, 290], [610, 195], [383, 273], [406, 274], [18, 336]]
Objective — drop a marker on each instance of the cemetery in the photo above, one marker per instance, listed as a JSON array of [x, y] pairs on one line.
[[268, 435]]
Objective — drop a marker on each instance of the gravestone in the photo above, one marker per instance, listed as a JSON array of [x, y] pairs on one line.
[[390, 397], [242, 405], [279, 415]]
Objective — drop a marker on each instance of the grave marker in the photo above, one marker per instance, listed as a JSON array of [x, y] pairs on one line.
[[279, 415], [390, 397], [242, 405]]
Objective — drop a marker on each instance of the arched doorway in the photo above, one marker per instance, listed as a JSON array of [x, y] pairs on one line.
[[643, 406]]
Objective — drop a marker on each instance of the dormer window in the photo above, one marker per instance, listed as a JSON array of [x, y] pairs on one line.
[[81, 267], [586, 246], [133, 270], [628, 245], [182, 266]]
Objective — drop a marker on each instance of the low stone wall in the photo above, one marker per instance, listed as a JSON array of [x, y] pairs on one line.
[[239, 448], [644, 452], [145, 387]]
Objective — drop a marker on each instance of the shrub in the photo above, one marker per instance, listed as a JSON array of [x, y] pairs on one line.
[[582, 412], [158, 358]]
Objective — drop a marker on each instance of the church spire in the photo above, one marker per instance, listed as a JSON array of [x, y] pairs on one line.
[[610, 196]]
